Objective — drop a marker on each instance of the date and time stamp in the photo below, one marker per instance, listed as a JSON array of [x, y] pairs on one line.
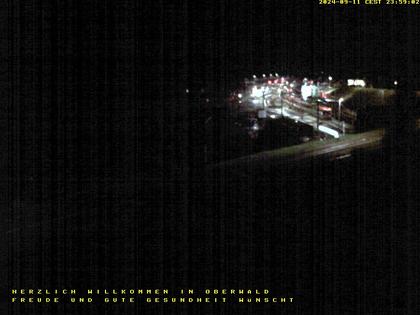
[[370, 2]]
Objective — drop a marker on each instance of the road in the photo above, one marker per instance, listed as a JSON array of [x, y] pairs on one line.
[[333, 148]]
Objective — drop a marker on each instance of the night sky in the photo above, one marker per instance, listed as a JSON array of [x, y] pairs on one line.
[[217, 43]]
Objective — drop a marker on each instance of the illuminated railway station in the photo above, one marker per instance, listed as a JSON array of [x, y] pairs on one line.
[[331, 107]]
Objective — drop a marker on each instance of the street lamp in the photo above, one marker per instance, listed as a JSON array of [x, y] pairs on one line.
[[340, 101], [281, 102], [263, 98], [317, 117]]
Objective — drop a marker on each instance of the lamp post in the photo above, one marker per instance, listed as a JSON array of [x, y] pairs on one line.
[[263, 99], [317, 117], [340, 101], [281, 102]]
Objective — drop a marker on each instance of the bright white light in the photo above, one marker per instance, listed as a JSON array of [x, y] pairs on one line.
[[273, 116], [254, 76], [395, 82], [263, 75], [262, 114], [356, 82], [187, 91], [341, 100], [239, 95], [271, 75], [277, 74], [256, 92], [306, 91], [360, 83], [329, 131], [330, 78]]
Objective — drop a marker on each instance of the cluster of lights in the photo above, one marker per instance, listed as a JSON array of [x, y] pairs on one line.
[[307, 87], [350, 82], [259, 92], [264, 75], [276, 81]]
